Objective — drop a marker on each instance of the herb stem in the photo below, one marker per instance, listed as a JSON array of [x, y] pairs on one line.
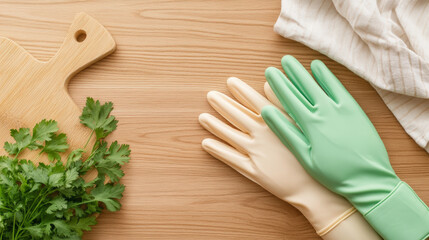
[[5, 208], [16, 155], [37, 206], [87, 141], [31, 207], [18, 233], [13, 231]]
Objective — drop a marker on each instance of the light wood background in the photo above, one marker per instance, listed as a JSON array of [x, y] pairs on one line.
[[170, 54]]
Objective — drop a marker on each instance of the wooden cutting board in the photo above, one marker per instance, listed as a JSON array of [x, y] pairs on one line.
[[32, 90]]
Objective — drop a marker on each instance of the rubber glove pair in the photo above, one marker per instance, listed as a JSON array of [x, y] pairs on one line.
[[337, 144], [253, 150]]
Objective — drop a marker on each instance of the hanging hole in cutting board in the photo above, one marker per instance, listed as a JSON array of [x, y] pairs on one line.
[[80, 35]]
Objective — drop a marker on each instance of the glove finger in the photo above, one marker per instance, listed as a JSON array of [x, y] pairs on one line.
[[274, 100], [235, 138], [291, 99], [328, 81], [302, 80], [246, 95], [288, 134], [230, 156], [235, 113]]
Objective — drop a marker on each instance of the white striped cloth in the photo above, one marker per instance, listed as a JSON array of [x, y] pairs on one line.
[[385, 42]]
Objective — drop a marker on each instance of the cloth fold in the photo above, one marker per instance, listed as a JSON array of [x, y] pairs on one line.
[[381, 41]]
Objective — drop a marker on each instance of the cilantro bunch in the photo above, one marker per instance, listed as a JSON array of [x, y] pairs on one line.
[[53, 201]]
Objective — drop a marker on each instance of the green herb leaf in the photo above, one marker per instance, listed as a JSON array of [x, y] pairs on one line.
[[71, 175], [40, 175], [56, 179], [36, 231], [118, 153], [97, 117], [44, 130], [58, 203], [82, 224], [111, 169], [55, 145], [22, 138], [108, 194], [61, 228]]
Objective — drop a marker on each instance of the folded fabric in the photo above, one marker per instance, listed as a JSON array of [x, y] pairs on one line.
[[384, 42], [255, 152]]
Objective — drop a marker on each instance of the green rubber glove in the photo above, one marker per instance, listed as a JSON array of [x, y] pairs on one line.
[[338, 145]]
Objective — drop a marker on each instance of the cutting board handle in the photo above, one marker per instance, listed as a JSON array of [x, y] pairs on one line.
[[87, 41]]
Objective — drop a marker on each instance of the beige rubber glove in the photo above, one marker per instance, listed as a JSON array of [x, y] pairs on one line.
[[254, 151]]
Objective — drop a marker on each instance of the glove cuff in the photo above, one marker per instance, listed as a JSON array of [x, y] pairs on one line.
[[332, 225], [401, 215], [354, 227]]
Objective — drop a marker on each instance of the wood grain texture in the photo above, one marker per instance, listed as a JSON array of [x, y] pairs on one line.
[[170, 53]]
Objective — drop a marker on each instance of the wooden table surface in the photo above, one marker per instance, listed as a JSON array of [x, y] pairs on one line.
[[170, 54]]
